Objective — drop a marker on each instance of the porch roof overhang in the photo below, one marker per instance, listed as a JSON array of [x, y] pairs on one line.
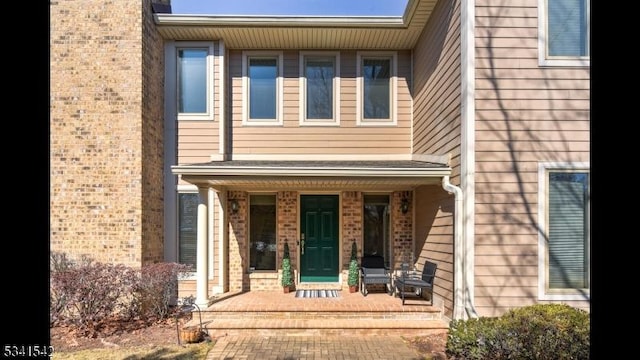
[[300, 32], [313, 175]]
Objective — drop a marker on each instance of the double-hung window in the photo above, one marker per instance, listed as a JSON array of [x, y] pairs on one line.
[[194, 80], [564, 241], [319, 88], [376, 89], [563, 32], [262, 88]]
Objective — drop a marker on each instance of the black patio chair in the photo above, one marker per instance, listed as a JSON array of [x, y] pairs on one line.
[[373, 271], [424, 281]]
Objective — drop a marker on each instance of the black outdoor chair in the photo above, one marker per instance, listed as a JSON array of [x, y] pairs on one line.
[[424, 281], [373, 271]]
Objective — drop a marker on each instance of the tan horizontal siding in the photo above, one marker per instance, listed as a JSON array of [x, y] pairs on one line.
[[509, 22], [502, 198], [519, 33], [436, 130], [490, 122], [505, 166], [518, 250], [508, 281], [511, 188], [504, 223], [487, 225], [199, 139], [502, 271], [506, 10], [521, 3], [507, 260], [548, 155], [345, 138], [559, 147]]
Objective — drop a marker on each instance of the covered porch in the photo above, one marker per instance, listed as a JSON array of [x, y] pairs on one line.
[[276, 313], [224, 213]]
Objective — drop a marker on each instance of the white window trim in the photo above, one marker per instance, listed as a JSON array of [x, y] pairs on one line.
[[303, 90], [543, 171], [209, 114], [543, 59], [246, 121], [393, 111]]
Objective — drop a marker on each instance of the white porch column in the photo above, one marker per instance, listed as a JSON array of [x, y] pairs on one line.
[[202, 291]]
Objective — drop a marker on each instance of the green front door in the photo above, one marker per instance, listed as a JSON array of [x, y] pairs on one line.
[[319, 258]]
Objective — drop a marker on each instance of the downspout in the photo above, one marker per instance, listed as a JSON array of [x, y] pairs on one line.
[[222, 106], [467, 152], [458, 250], [463, 307]]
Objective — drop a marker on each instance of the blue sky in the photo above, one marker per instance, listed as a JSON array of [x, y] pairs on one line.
[[290, 7]]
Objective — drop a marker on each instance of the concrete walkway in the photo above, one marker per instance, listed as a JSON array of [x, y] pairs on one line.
[[372, 347]]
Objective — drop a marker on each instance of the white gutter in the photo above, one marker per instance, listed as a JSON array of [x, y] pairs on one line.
[[467, 150], [307, 171], [281, 20]]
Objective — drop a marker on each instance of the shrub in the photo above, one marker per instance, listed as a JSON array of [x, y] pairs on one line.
[[542, 331], [352, 280], [157, 289], [287, 278], [89, 294]]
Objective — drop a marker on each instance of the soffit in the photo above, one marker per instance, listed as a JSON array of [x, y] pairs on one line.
[[301, 32]]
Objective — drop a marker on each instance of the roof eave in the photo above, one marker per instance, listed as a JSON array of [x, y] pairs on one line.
[[397, 22], [198, 170]]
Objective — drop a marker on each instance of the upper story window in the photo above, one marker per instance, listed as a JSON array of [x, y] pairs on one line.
[[194, 81], [319, 88], [376, 89], [262, 88], [564, 31], [564, 242]]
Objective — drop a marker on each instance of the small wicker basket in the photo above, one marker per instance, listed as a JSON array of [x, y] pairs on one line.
[[191, 334]]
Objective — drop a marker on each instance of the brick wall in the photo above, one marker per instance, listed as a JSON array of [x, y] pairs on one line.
[[402, 230], [104, 126], [238, 230]]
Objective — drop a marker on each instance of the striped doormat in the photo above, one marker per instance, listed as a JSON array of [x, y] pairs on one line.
[[316, 293]]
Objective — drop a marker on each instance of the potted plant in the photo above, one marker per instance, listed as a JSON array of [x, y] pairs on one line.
[[352, 280], [287, 278]]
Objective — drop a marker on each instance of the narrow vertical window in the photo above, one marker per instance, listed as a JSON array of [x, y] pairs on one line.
[[263, 75], [262, 232], [568, 251], [376, 75], [192, 81], [376, 227], [376, 88], [564, 242], [187, 228], [319, 73]]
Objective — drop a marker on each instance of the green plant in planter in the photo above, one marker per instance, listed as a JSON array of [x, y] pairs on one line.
[[352, 280], [287, 278]]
